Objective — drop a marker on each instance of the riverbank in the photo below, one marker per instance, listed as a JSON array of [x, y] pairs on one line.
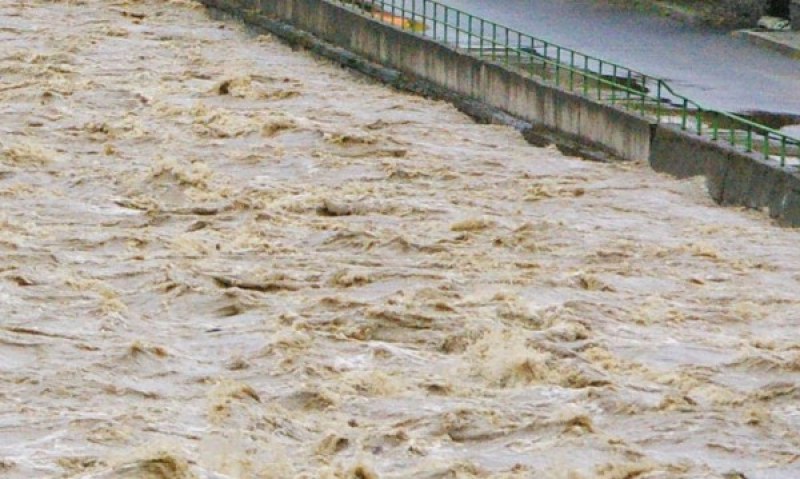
[[722, 14]]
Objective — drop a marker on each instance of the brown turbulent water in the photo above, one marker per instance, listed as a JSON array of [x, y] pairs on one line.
[[222, 258]]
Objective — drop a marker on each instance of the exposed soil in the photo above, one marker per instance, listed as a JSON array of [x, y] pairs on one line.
[[718, 13]]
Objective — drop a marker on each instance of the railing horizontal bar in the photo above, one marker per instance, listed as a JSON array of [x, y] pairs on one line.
[[620, 81]]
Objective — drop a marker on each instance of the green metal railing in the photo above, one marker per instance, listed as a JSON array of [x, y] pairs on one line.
[[601, 80]]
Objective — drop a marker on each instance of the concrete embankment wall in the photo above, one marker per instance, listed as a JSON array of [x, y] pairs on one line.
[[614, 130], [733, 177]]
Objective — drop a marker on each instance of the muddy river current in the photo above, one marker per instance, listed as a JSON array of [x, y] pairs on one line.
[[222, 258]]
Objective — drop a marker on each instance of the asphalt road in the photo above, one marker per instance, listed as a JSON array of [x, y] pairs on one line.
[[707, 65]]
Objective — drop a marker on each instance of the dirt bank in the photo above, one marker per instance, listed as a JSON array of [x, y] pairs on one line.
[[717, 13], [223, 258]]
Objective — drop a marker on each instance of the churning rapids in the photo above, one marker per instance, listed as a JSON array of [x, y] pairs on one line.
[[221, 258]]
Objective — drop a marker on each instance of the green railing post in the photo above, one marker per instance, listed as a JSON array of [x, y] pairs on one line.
[[458, 28], [446, 22], [749, 139], [571, 70], [684, 112], [558, 66], [531, 58], [658, 103], [494, 41], [482, 33], [471, 19], [698, 119], [425, 15], [783, 151], [599, 84], [766, 145], [544, 61], [585, 78], [506, 46], [715, 127], [630, 85]]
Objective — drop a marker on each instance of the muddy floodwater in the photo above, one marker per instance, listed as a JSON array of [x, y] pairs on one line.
[[222, 258]]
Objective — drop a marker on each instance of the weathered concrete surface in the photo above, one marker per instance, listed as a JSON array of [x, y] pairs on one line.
[[732, 177], [787, 43]]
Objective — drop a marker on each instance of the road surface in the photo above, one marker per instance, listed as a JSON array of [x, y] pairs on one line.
[[707, 65]]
